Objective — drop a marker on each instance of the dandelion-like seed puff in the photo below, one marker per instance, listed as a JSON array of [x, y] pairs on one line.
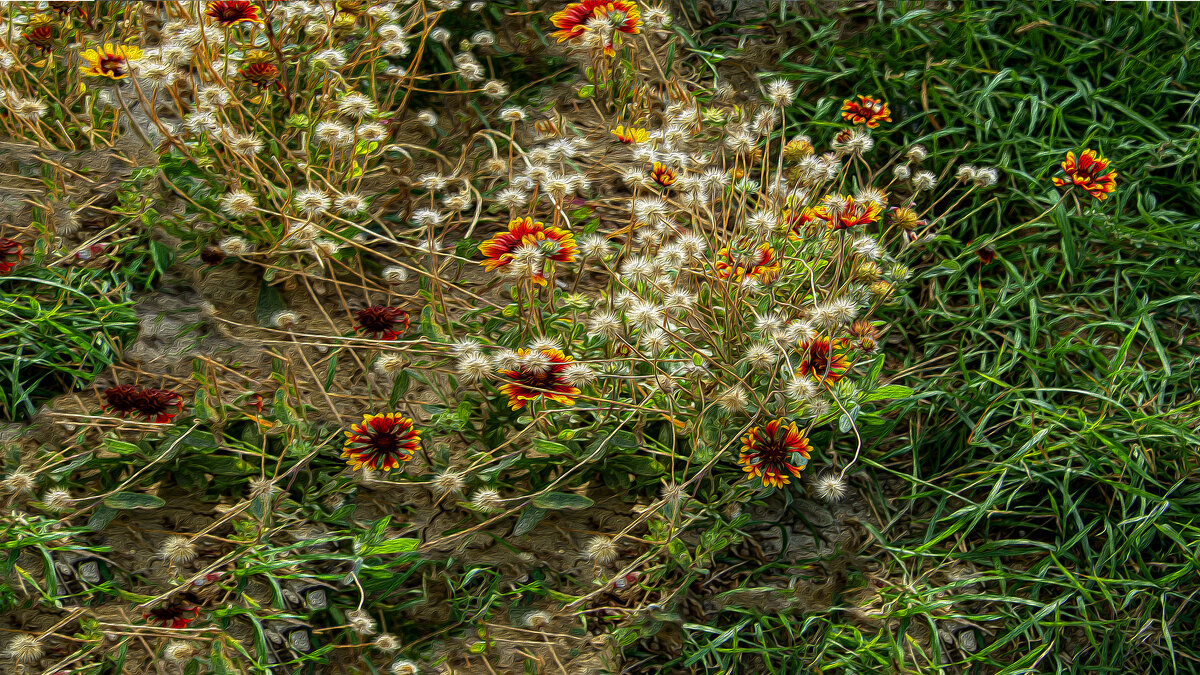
[[768, 451], [529, 380], [554, 243], [1088, 172], [381, 441], [572, 22], [866, 110]]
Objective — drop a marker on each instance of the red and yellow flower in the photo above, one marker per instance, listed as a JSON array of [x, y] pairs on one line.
[[823, 360], [800, 221], [111, 61], [538, 374], [663, 174], [842, 212], [259, 69], [381, 442], [1088, 172], [866, 110], [737, 263], [553, 244], [630, 135], [382, 322], [40, 32], [11, 253], [622, 15], [768, 452], [233, 12]]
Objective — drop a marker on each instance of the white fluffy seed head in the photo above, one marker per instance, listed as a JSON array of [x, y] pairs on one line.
[[25, 649], [487, 500], [601, 550], [830, 487], [178, 550]]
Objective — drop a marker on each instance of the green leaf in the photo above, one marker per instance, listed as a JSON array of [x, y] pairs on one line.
[[133, 500], [101, 517], [549, 447], [642, 466], [120, 447], [530, 517], [562, 500], [398, 545], [890, 391]]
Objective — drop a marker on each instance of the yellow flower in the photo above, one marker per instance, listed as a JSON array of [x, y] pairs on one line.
[[630, 135], [111, 61]]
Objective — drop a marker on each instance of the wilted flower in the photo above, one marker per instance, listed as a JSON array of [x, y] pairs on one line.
[[382, 322], [381, 441], [172, 615]]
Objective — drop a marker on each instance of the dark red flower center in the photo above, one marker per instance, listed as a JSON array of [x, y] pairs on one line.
[[381, 319], [111, 63]]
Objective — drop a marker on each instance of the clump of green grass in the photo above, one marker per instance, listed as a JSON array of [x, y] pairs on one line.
[[1051, 461], [61, 328]]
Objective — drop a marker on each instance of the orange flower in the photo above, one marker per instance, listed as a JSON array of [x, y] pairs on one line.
[[842, 212], [866, 110], [526, 236], [111, 61], [663, 175], [381, 442], [622, 15], [630, 135], [259, 69], [538, 373], [823, 361], [736, 263], [768, 452], [233, 12], [1088, 173]]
